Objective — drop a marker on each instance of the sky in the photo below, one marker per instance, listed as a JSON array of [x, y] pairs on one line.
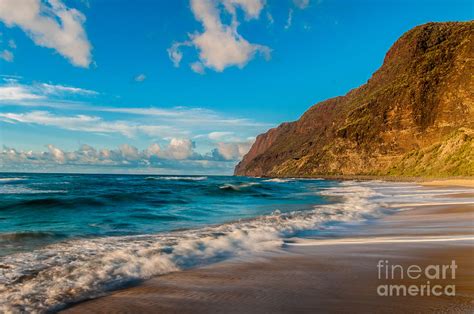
[[182, 86]]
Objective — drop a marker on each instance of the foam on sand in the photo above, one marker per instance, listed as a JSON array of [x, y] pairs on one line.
[[377, 240]]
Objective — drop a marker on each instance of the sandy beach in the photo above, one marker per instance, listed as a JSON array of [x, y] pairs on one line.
[[330, 274]]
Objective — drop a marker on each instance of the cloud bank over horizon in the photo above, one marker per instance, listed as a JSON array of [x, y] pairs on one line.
[[176, 156]]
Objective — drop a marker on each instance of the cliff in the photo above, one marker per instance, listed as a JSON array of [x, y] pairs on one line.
[[414, 117]]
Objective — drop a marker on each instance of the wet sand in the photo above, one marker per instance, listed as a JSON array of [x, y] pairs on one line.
[[321, 275], [450, 182]]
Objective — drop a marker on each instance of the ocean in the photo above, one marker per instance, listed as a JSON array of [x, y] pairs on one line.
[[69, 237]]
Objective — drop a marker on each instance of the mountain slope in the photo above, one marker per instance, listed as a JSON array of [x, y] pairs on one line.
[[414, 117]]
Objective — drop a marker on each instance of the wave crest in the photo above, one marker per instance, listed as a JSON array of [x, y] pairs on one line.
[[237, 187], [70, 271], [278, 180], [178, 178]]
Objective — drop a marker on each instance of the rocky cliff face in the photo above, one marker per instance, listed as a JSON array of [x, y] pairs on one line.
[[414, 117]]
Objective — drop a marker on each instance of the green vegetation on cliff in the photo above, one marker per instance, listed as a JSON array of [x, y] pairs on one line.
[[453, 156]]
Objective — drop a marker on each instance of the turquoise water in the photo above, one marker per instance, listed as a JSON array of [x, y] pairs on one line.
[[66, 238], [39, 209]]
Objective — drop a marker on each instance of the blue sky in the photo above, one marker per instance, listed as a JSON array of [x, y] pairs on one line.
[[180, 86]]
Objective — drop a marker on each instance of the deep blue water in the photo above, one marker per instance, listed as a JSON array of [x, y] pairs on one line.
[[39, 209]]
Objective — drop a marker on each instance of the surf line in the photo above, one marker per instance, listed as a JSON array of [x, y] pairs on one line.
[[378, 240]]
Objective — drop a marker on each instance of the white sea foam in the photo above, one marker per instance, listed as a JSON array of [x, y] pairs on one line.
[[278, 180], [6, 180], [237, 187], [399, 194], [176, 178], [378, 240], [50, 277], [21, 189]]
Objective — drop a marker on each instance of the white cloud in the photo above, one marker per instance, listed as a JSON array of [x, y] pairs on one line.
[[219, 136], [46, 118], [289, 21], [10, 78], [233, 151], [50, 24], [129, 152], [12, 44], [140, 77], [57, 154], [178, 149], [175, 54], [86, 123], [153, 150], [13, 91], [185, 116], [198, 67], [252, 8], [270, 18], [220, 45], [58, 89], [158, 112], [301, 4], [16, 93], [7, 55]]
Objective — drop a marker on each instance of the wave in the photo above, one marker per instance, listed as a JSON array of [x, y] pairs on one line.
[[177, 178], [159, 217], [6, 180], [51, 202], [71, 271], [278, 180], [15, 189], [237, 187]]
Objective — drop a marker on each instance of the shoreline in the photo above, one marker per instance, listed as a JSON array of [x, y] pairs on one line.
[[428, 181], [309, 278]]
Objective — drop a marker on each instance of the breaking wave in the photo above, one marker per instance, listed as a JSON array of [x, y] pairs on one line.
[[18, 189], [6, 180], [177, 178], [237, 187], [70, 271], [278, 180]]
